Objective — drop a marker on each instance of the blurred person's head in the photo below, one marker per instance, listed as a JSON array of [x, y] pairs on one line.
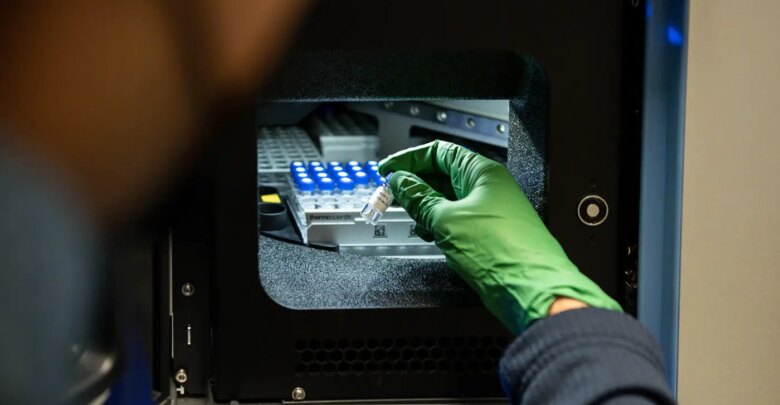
[[111, 94]]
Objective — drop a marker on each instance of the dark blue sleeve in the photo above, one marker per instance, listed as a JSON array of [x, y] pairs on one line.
[[585, 356]]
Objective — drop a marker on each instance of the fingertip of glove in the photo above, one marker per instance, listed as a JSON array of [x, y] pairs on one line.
[[386, 166]]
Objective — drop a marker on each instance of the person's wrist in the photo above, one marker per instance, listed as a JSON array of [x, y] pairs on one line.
[[562, 304]]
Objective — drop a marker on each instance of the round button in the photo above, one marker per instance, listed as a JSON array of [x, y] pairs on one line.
[[592, 210]]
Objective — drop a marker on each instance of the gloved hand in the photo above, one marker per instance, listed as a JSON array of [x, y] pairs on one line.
[[492, 237]]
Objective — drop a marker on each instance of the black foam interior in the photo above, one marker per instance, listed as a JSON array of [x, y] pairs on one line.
[[300, 277]]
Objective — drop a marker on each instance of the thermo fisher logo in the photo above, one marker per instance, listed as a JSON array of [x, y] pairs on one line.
[[330, 218]]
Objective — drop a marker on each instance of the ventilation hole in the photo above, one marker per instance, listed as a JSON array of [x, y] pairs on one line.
[[387, 343], [350, 355], [458, 341], [336, 356], [372, 343], [380, 354], [364, 355], [343, 344], [328, 368], [307, 356], [321, 356]]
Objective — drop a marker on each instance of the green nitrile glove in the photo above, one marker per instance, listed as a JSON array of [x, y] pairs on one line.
[[492, 237]]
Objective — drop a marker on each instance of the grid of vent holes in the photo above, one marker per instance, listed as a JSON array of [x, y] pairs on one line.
[[470, 355], [278, 146]]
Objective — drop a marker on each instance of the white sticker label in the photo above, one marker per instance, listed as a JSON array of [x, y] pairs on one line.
[[381, 199]]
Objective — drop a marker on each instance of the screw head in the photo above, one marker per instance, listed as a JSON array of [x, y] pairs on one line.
[[298, 394], [501, 128], [471, 123], [187, 289], [389, 105], [414, 110], [181, 376], [441, 116]]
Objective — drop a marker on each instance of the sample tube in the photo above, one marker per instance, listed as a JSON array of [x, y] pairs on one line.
[[314, 171], [333, 170], [354, 169], [361, 182], [305, 186], [326, 185], [377, 204], [346, 185], [299, 175]]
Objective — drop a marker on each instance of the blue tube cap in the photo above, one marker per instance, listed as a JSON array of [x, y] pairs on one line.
[[316, 169], [353, 163], [326, 184], [360, 178], [305, 184], [346, 184], [370, 163], [314, 164], [333, 163]]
